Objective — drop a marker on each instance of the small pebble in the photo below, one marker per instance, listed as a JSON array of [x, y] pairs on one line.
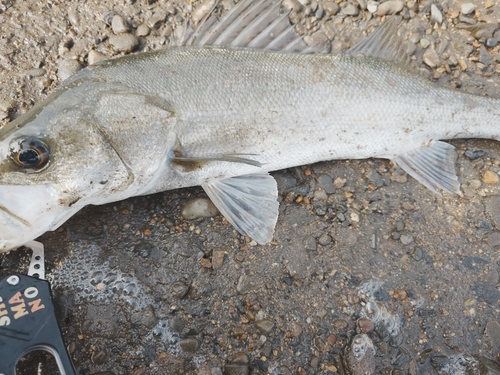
[[143, 30], [179, 289], [67, 68], [400, 225], [324, 239], [167, 31], [189, 344], [124, 42], [296, 330], [412, 5], [202, 9], [196, 208], [406, 239], [240, 357], [340, 325], [491, 42], [264, 326], [351, 10], [491, 178], [331, 339], [484, 30], [424, 43], [292, 5], [36, 72], [107, 17], [73, 17], [236, 369], [372, 6], [326, 183], [467, 8], [390, 7], [157, 19], [331, 8], [339, 182], [320, 344], [365, 325], [119, 25], [489, 3], [417, 254], [99, 357], [431, 58], [95, 57], [318, 39], [217, 258], [473, 154], [436, 15], [320, 12], [475, 184], [484, 56]]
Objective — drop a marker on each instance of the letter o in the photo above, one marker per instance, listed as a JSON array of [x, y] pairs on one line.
[[31, 292]]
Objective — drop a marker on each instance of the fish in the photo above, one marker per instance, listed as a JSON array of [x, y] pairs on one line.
[[241, 96]]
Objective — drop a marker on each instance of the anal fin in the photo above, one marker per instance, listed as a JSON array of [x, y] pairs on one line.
[[248, 202], [432, 166]]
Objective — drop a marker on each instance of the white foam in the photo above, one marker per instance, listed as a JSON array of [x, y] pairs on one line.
[[91, 280]]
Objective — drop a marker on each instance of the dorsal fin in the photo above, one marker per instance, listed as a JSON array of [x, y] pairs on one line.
[[255, 24], [384, 43]]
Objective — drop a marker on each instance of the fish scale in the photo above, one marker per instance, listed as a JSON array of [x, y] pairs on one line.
[[273, 106]]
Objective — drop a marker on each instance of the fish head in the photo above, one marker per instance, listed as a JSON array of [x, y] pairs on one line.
[[53, 161]]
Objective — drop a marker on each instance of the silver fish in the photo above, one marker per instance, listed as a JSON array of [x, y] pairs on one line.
[[243, 96]]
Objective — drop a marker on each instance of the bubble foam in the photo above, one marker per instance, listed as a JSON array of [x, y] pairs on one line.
[[91, 280]]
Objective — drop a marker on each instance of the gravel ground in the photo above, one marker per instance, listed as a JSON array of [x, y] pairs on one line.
[[369, 272]]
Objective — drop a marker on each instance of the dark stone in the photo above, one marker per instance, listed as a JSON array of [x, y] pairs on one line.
[[472, 262], [487, 293], [474, 154]]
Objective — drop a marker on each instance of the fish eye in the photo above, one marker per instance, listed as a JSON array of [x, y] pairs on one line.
[[30, 153]]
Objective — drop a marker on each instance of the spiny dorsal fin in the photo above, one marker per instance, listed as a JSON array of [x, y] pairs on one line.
[[384, 43], [255, 24], [432, 166]]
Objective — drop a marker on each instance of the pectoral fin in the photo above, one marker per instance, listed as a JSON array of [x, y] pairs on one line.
[[433, 166], [231, 158], [248, 202]]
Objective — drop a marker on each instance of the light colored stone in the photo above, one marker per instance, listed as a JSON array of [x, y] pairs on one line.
[[124, 42], [424, 43], [436, 15], [119, 25], [143, 30], [202, 9], [67, 68], [351, 10], [431, 58], [196, 208], [331, 8], [372, 6], [157, 19], [339, 182], [73, 17], [390, 7], [95, 57], [491, 178], [467, 8]]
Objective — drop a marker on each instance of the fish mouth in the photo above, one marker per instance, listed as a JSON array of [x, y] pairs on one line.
[[26, 212]]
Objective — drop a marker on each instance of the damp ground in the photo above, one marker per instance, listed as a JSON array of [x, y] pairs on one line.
[[369, 272]]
